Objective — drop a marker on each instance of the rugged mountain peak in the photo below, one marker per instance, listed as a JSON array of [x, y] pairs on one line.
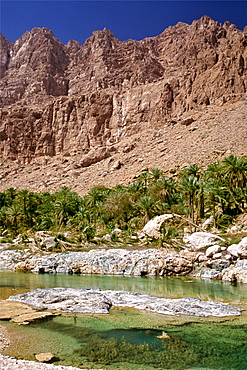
[[5, 54], [92, 97], [35, 66], [38, 49], [204, 22]]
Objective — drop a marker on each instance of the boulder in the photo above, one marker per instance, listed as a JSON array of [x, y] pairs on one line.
[[200, 240], [212, 250], [236, 273], [152, 227], [242, 248], [239, 250], [46, 357], [208, 273], [233, 250], [217, 255], [45, 240], [106, 237]]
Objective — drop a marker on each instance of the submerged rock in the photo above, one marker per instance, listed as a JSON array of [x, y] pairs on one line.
[[96, 301]]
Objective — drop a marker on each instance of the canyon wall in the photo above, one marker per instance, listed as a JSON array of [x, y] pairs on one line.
[[59, 99]]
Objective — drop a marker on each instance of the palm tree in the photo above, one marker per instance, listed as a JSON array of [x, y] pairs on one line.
[[66, 205], [10, 195], [155, 173], [143, 180], [192, 170], [147, 207], [14, 217], [216, 197], [190, 187], [118, 208], [234, 171], [163, 190], [29, 202]]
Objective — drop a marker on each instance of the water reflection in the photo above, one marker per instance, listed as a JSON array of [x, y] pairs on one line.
[[12, 283]]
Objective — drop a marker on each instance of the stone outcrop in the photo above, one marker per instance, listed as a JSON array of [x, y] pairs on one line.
[[152, 262], [201, 240], [71, 99], [46, 357], [96, 301], [21, 313]]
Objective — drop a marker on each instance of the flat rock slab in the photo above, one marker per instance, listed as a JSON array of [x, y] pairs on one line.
[[21, 313], [96, 301]]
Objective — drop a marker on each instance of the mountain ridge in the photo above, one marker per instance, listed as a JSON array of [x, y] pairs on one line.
[[95, 105]]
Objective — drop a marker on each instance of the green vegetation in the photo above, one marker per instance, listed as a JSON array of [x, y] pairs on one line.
[[219, 191], [208, 345]]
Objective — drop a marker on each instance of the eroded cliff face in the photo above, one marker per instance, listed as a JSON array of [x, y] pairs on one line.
[[71, 99]]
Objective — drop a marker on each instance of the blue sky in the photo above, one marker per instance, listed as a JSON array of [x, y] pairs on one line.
[[126, 19]]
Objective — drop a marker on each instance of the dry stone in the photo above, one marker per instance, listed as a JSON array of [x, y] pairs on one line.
[[242, 248], [212, 250], [200, 240], [152, 227]]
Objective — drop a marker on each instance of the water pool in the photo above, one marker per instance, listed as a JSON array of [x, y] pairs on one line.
[[128, 338]]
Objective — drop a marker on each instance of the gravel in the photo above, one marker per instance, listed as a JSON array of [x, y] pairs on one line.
[[12, 364]]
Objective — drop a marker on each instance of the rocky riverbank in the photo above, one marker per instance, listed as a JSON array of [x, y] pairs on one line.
[[207, 260]]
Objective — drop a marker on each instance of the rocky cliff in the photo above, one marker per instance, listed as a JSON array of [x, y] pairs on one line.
[[185, 88]]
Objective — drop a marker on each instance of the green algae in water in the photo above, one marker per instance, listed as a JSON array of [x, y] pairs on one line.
[[222, 348], [102, 342]]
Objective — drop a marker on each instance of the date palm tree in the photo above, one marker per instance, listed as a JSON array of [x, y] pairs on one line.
[[234, 171], [190, 187], [147, 207], [14, 217]]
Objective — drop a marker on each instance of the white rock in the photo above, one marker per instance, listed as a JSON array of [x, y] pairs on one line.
[[200, 240], [152, 227], [242, 248], [117, 231], [239, 250], [45, 357], [233, 250], [228, 256], [237, 272], [217, 255], [107, 237], [212, 250]]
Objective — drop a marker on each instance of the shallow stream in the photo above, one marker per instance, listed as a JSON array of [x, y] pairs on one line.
[[127, 338]]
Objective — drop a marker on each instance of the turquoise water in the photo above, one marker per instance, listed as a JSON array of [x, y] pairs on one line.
[[129, 339]]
